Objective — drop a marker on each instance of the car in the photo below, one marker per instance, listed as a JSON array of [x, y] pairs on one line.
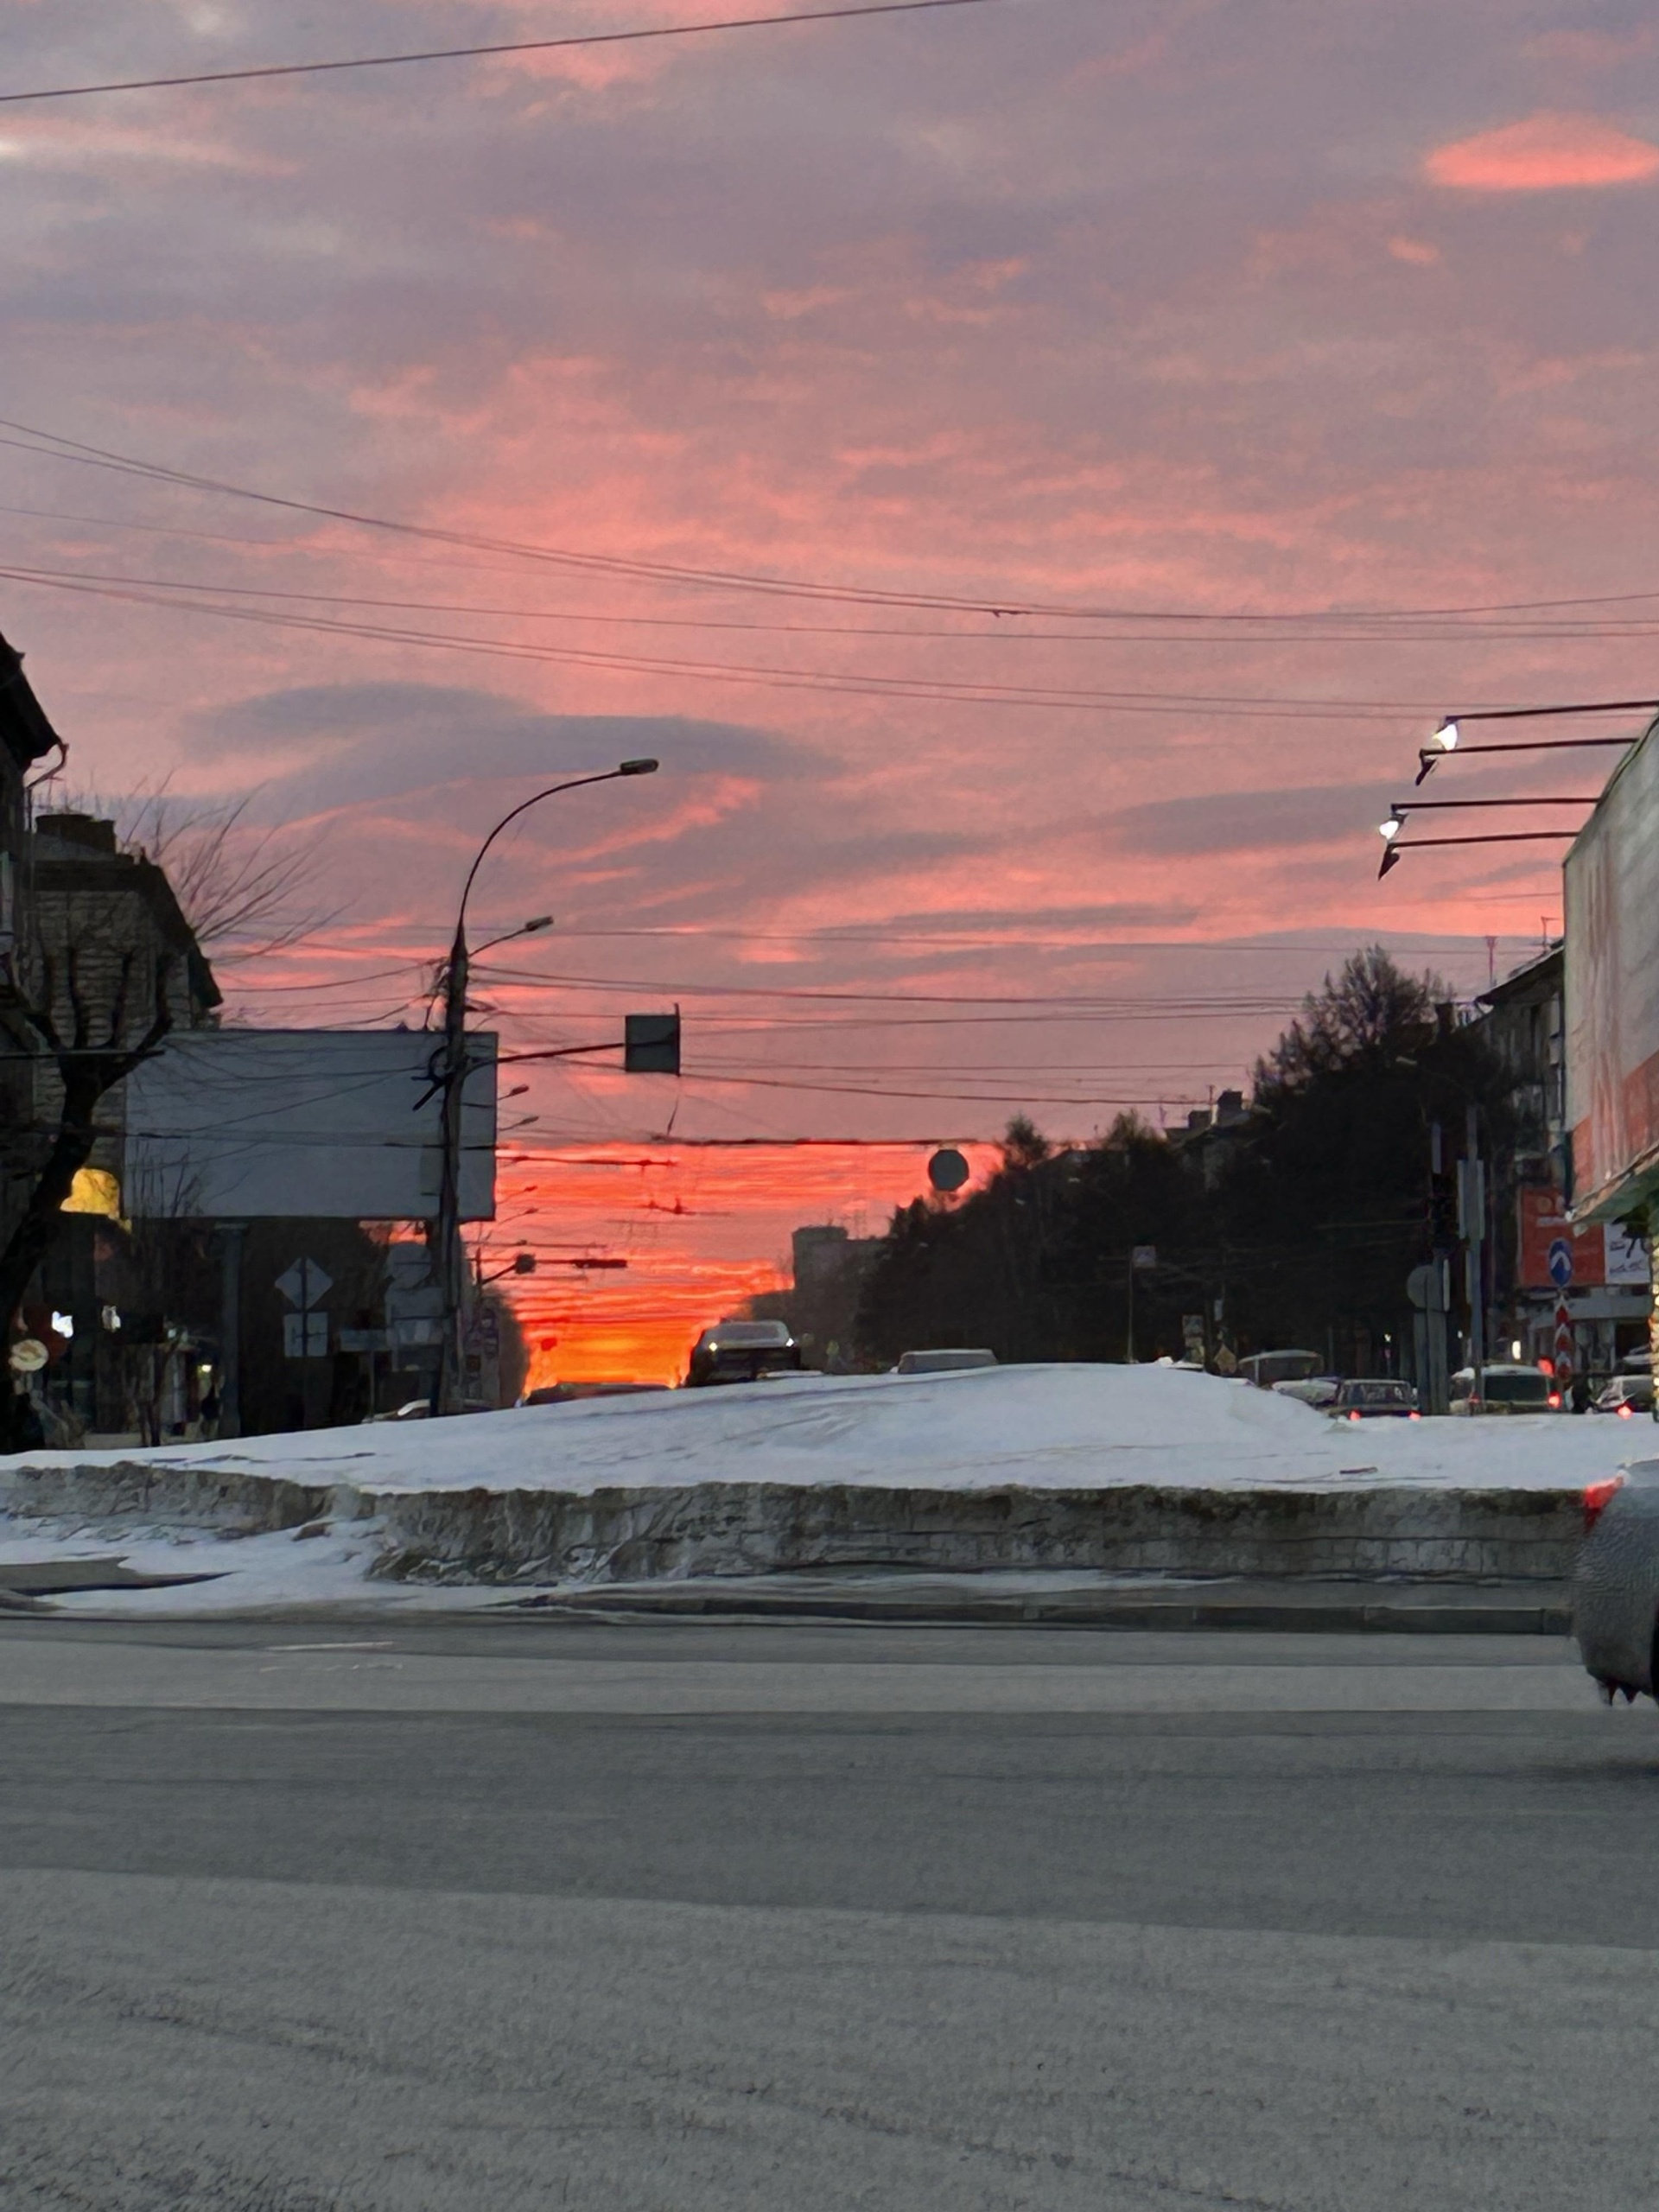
[[1615, 1581], [565, 1394], [743, 1351], [1318, 1390], [1501, 1389], [1626, 1395], [1265, 1369], [1379, 1398], [944, 1361], [421, 1409]]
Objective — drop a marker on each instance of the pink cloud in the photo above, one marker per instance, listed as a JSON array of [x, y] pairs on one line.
[[1544, 153]]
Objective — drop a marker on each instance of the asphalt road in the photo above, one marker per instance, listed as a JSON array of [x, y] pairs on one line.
[[687, 1918]]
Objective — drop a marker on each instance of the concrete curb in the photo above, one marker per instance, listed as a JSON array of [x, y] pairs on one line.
[[666, 1533], [1417, 1612]]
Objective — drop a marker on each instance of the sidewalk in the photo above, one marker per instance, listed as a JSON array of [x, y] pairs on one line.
[[1080, 1601]]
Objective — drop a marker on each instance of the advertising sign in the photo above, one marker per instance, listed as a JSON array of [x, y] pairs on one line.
[[227, 1124], [1558, 1254], [1612, 905]]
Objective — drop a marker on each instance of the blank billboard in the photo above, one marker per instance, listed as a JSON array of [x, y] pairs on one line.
[[1612, 912], [228, 1124]]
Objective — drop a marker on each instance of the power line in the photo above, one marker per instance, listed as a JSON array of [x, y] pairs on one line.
[[1001, 635], [1248, 708], [51, 445], [1086, 1002], [1461, 634], [478, 53]]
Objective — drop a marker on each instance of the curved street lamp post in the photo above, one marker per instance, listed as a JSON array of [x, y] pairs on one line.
[[450, 1072]]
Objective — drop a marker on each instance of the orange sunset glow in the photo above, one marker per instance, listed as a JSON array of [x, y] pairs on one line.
[[1031, 475]]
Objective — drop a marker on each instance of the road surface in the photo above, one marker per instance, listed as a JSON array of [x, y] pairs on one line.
[[477, 1915]]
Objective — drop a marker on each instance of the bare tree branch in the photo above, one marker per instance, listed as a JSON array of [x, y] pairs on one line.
[[242, 888]]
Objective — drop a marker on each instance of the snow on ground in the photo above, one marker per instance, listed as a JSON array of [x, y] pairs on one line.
[[1060, 1426]]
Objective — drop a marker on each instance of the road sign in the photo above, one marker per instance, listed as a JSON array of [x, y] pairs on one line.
[[305, 1335], [1143, 1256], [1560, 1262], [1565, 1348], [1426, 1287], [305, 1284], [651, 1043], [948, 1170]]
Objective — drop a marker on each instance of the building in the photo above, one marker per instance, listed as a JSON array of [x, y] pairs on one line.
[[26, 737], [1541, 1264]]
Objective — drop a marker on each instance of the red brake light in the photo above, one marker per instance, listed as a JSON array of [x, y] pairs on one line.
[[1597, 1497], [1625, 1412], [1414, 1416], [1353, 1416], [1556, 1400]]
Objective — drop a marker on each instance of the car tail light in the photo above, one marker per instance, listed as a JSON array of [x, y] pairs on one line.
[[1354, 1416], [1625, 1412], [1414, 1416], [1555, 1401], [1597, 1497]]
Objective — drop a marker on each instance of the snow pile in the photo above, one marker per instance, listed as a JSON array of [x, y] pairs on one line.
[[1050, 1428]]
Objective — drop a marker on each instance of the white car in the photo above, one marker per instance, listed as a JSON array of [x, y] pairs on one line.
[[1504, 1390]]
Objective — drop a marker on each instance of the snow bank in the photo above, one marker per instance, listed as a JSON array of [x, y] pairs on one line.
[[1065, 1427]]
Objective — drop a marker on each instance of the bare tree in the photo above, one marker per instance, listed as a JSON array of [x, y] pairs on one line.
[[243, 888], [90, 1012]]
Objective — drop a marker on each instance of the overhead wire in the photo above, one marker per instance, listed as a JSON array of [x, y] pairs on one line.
[[50, 444], [1244, 707], [262, 71]]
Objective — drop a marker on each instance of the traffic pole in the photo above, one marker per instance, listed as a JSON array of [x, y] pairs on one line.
[[450, 1257]]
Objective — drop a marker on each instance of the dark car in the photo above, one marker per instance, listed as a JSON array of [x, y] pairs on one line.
[[568, 1394], [743, 1351], [1380, 1398]]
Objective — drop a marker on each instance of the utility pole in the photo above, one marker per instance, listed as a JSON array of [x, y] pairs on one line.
[[1472, 1227], [449, 1257], [451, 1070]]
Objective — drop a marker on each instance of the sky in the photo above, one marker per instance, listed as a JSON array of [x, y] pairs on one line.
[[735, 397]]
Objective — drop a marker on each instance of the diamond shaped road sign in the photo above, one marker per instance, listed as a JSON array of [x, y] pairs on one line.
[[304, 1284]]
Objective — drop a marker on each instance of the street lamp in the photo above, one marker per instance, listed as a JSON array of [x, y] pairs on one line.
[[450, 1073], [1389, 830]]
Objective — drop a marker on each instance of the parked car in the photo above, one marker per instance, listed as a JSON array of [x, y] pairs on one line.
[[1504, 1390], [1265, 1369], [743, 1351], [943, 1362], [565, 1394], [1626, 1395], [1318, 1390], [1615, 1581], [421, 1409], [1379, 1398]]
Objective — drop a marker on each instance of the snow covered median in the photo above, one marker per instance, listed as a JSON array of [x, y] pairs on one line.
[[1041, 1427], [1137, 1470]]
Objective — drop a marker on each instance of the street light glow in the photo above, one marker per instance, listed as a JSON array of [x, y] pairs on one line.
[[1446, 736], [1391, 827]]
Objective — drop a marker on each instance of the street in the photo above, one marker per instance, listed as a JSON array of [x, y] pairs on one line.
[[474, 1913]]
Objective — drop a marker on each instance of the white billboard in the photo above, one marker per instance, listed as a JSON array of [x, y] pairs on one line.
[[240, 1124], [1611, 914]]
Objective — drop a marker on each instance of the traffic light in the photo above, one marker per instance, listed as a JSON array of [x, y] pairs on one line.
[[651, 1044]]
